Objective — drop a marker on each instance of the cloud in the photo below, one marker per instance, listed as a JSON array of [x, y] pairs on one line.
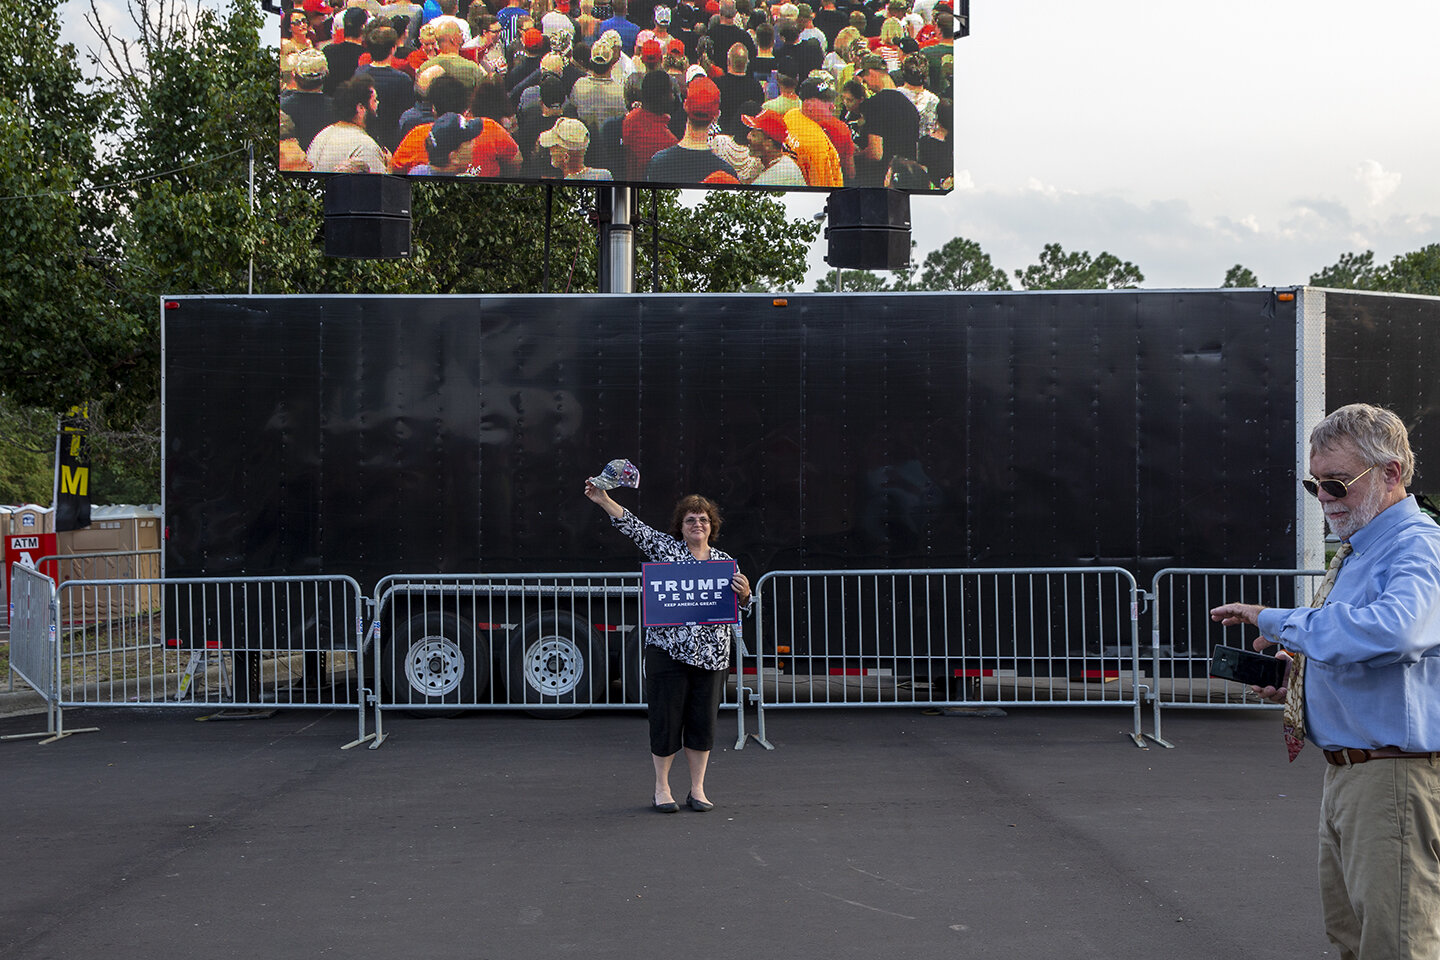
[[1378, 182]]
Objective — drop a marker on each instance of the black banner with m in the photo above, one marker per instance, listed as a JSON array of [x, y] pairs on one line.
[[72, 470]]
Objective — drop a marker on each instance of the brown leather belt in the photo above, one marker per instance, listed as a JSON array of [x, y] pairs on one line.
[[1353, 755]]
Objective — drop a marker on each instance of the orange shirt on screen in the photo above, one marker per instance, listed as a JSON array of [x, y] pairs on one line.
[[488, 149], [411, 151]]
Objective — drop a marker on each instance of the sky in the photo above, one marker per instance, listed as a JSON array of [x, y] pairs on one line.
[[1187, 138]]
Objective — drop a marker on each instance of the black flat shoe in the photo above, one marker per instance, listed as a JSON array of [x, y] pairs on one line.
[[699, 806], [669, 806]]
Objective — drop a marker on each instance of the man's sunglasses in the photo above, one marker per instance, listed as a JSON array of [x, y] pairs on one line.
[[1336, 488]]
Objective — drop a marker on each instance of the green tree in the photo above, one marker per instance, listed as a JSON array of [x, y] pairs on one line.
[[1058, 270], [959, 265], [60, 344], [1240, 276], [27, 454], [731, 240], [1353, 271], [1415, 272], [853, 281]]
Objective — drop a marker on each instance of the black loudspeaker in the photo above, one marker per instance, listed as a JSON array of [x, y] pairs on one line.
[[367, 238], [367, 194], [367, 216], [868, 207], [861, 249]]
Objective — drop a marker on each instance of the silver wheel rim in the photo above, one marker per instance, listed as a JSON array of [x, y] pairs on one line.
[[434, 666], [553, 666]]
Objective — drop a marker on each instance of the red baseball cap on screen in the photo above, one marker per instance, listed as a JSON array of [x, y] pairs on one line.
[[769, 123], [702, 99]]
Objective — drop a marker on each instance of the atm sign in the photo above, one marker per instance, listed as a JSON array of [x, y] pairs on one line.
[[28, 549]]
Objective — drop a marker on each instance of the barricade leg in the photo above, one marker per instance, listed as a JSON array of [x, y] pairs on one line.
[[54, 727], [744, 693], [378, 737], [759, 733], [362, 736], [1155, 725], [740, 692], [364, 694]]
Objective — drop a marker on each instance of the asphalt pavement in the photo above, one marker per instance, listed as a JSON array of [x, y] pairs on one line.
[[890, 832]]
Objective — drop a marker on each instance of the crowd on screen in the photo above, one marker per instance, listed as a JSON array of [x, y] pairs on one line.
[[854, 93]]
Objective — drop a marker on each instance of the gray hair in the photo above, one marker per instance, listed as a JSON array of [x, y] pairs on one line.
[[1376, 433]]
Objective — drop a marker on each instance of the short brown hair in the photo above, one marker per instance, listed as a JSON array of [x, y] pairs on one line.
[[695, 503]]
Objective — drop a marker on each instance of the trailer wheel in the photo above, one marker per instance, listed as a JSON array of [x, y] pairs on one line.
[[436, 658], [557, 659]]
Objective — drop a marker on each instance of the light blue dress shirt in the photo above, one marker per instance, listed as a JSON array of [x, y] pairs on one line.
[[1373, 674]]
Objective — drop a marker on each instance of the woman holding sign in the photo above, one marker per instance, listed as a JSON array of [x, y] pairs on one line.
[[685, 666]]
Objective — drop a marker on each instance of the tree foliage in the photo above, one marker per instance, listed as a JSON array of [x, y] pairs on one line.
[[959, 265], [58, 345], [854, 281], [1415, 272], [27, 454], [731, 240], [1058, 270], [1240, 276], [1353, 271]]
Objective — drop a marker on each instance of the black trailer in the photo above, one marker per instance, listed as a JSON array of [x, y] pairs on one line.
[[375, 435]]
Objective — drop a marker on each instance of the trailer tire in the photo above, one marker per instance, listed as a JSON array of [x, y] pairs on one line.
[[556, 658], [436, 658]]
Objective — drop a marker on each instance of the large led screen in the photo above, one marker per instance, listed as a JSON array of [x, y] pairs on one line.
[[681, 93]]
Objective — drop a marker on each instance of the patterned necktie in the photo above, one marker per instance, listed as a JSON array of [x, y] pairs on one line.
[[1295, 673]]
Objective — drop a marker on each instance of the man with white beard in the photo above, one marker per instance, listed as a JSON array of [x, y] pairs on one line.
[[1366, 672]]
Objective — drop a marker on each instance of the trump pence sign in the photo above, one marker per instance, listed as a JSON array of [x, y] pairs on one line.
[[678, 594]]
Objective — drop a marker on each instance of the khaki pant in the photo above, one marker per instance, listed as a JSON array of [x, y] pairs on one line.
[[1380, 859]]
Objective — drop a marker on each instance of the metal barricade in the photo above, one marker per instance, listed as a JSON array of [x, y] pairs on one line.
[[1183, 637], [553, 644], [35, 647], [248, 643], [980, 637]]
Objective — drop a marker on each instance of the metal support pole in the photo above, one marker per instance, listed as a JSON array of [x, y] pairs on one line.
[[617, 233], [654, 241], [250, 148], [549, 224], [603, 201]]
